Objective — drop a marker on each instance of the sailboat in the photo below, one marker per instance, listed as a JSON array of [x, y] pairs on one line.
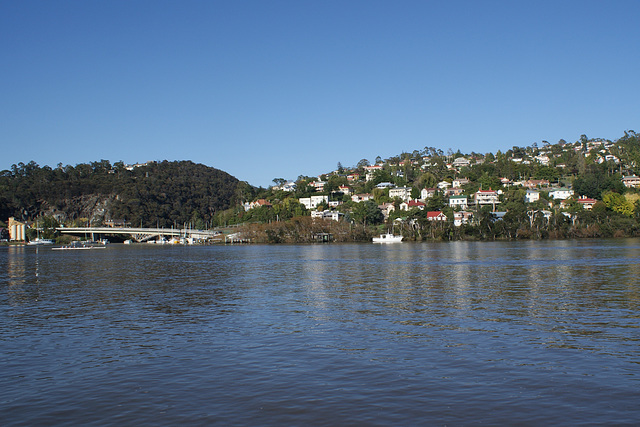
[[38, 241]]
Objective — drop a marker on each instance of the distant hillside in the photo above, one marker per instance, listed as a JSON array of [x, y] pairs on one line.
[[153, 194]]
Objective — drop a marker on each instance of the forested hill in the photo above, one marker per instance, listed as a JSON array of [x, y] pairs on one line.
[[153, 194]]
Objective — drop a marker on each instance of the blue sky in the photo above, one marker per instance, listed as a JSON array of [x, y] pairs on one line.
[[277, 89]]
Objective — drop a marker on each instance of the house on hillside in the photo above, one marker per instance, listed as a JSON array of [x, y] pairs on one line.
[[531, 196], [327, 214], [632, 181], [436, 216], [486, 197], [459, 182], [313, 201], [461, 162], [361, 197], [453, 192], [458, 202], [386, 209], [403, 193], [260, 203], [462, 217], [587, 202], [560, 193], [344, 189], [411, 204], [427, 193]]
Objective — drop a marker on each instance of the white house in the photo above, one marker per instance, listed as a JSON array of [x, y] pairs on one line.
[[459, 182], [406, 206], [385, 185], [461, 162], [436, 216], [344, 189], [313, 201], [361, 197], [318, 185], [586, 202], [386, 209], [531, 196], [560, 193], [443, 185], [486, 197], [458, 201], [462, 217], [327, 214], [426, 193], [631, 181], [403, 193]]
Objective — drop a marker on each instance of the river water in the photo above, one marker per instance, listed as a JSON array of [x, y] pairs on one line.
[[357, 334]]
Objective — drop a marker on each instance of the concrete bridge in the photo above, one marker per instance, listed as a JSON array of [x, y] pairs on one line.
[[141, 234]]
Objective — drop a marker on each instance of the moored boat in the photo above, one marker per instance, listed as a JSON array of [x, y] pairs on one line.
[[387, 238], [38, 241]]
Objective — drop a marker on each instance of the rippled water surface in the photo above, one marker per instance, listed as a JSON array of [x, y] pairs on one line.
[[452, 333]]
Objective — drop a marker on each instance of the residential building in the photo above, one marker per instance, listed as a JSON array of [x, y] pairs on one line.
[[586, 202], [412, 204], [403, 193], [318, 185], [313, 201], [543, 160], [458, 202], [386, 209], [453, 192], [436, 216], [459, 182], [361, 197], [632, 181], [427, 193], [486, 197], [560, 193], [259, 203], [531, 196], [385, 185], [461, 162], [344, 189], [536, 183], [327, 214], [462, 217]]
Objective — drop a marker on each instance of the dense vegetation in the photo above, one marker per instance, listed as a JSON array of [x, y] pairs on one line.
[[156, 194]]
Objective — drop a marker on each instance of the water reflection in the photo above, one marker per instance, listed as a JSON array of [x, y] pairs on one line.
[[310, 330]]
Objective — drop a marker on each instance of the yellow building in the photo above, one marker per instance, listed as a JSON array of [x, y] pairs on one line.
[[16, 230]]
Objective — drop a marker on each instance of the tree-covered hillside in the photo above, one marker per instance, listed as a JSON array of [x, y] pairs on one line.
[[154, 194]]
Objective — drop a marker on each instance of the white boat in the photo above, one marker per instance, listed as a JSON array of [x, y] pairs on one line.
[[78, 246], [38, 241], [387, 238]]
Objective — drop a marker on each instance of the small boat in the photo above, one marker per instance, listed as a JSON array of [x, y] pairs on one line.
[[78, 246], [387, 238], [38, 241]]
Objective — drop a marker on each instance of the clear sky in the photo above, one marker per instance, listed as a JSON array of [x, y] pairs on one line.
[[270, 89]]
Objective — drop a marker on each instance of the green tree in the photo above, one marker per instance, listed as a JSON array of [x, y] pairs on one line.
[[367, 213], [618, 203]]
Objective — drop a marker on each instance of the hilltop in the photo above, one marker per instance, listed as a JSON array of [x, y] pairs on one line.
[[150, 194], [586, 188]]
